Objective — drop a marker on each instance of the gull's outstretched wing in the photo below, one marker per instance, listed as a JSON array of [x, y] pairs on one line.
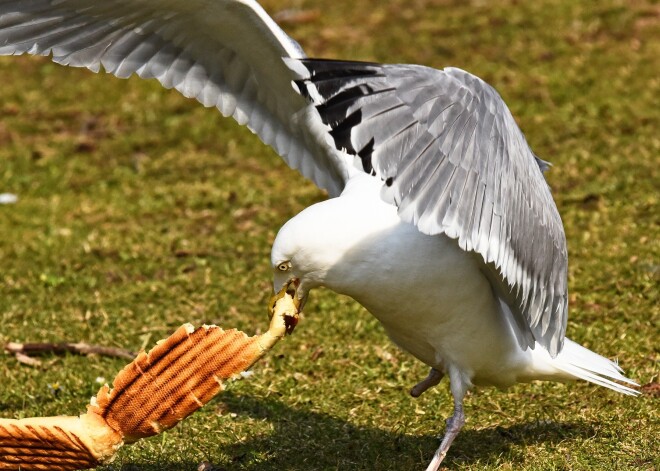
[[454, 161], [224, 53]]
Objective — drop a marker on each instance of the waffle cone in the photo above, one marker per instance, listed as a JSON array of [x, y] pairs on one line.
[[55, 443], [151, 394]]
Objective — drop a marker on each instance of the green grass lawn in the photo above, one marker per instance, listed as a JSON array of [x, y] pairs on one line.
[[140, 210]]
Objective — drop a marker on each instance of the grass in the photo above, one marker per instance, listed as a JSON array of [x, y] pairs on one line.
[[140, 210]]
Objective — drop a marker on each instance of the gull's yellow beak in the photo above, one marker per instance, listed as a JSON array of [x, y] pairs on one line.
[[289, 290]]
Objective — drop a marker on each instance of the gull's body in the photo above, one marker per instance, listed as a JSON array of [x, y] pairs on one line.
[[441, 223], [420, 287], [434, 299]]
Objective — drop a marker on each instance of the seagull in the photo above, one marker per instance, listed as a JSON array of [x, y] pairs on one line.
[[439, 222]]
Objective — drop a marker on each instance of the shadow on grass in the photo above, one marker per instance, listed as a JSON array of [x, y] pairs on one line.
[[304, 439]]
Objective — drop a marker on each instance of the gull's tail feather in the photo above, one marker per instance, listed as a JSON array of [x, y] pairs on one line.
[[576, 361]]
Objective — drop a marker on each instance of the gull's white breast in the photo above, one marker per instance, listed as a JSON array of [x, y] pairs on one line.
[[430, 295]]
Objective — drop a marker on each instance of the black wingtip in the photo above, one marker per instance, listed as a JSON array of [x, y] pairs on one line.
[[326, 69]]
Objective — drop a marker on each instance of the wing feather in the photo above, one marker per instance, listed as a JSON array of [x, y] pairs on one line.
[[224, 53], [454, 162]]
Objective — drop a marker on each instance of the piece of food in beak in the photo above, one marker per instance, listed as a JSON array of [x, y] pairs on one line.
[[288, 305]]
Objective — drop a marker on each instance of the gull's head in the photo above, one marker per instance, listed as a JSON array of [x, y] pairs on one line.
[[305, 250], [338, 243]]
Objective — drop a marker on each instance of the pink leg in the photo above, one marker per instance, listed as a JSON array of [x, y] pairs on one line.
[[459, 386], [454, 425], [431, 380]]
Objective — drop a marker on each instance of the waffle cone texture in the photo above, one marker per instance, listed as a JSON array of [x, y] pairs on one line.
[[151, 394]]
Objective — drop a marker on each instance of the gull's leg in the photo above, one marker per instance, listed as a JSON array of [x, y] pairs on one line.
[[431, 380], [459, 387]]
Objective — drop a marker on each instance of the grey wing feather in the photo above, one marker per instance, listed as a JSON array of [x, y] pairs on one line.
[[224, 53], [454, 161]]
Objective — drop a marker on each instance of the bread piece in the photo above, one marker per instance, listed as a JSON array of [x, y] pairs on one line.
[[151, 394]]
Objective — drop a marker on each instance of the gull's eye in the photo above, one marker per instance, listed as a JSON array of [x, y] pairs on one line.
[[284, 266]]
